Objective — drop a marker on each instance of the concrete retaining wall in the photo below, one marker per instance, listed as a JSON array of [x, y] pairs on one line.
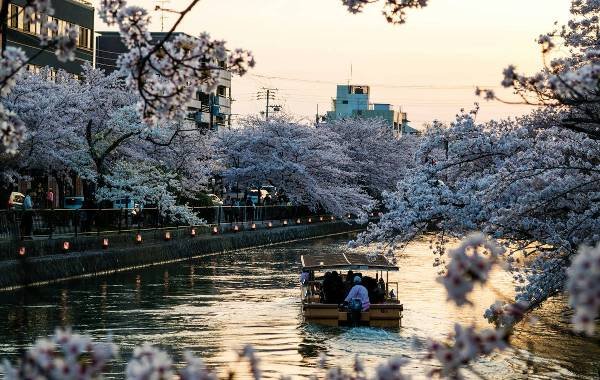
[[30, 271]]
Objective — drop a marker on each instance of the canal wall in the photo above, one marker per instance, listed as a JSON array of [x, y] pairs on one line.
[[86, 258]]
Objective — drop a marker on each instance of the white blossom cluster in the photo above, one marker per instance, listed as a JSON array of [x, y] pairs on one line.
[[149, 362], [583, 285], [470, 263], [167, 73], [504, 314], [466, 346], [65, 356], [393, 10]]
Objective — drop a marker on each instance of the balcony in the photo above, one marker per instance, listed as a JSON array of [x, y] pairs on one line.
[[195, 103], [84, 2], [223, 103]]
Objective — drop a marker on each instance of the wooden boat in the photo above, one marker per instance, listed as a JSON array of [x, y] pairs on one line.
[[385, 314]]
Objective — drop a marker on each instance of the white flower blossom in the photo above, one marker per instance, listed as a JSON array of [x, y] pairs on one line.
[[468, 266], [151, 363], [67, 44], [465, 346], [583, 285], [62, 356]]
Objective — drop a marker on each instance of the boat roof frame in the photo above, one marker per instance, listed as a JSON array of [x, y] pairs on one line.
[[350, 264]]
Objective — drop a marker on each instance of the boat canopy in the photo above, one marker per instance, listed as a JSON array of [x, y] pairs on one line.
[[346, 261]]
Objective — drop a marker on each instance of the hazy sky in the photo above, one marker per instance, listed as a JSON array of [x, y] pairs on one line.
[[428, 66]]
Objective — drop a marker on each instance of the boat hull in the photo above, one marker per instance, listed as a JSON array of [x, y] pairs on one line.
[[379, 315]]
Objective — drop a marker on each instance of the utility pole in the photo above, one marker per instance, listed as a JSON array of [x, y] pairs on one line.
[[161, 6], [317, 117], [268, 94]]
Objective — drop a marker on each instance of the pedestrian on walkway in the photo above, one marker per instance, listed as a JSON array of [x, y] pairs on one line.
[[250, 209], [27, 218], [50, 199]]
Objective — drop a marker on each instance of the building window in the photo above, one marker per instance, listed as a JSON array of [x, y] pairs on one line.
[[223, 91], [344, 102], [13, 15], [16, 19], [85, 38], [33, 69]]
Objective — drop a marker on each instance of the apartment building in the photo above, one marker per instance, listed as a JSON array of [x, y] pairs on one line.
[[207, 110]]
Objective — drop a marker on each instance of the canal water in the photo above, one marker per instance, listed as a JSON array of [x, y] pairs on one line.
[[213, 306]]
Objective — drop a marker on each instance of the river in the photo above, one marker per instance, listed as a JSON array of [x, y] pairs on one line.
[[214, 305]]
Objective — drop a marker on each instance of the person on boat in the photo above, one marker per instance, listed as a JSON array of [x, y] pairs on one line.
[[348, 282], [358, 292], [338, 290], [327, 288], [304, 277], [380, 291]]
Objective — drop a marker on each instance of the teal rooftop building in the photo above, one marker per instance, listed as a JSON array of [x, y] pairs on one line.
[[353, 101]]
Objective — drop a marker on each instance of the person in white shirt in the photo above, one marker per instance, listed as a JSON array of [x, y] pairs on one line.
[[359, 292]]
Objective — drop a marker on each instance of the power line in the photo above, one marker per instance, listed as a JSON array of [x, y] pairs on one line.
[[268, 94], [425, 87]]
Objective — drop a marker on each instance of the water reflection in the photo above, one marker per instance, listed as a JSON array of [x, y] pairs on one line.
[[214, 305]]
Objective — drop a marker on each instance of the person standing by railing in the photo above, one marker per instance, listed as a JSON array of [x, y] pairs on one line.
[[250, 207], [27, 219], [227, 209]]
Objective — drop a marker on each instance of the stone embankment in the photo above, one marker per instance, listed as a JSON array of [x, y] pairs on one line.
[[46, 262]]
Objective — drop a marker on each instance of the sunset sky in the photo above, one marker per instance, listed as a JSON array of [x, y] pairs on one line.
[[428, 66]]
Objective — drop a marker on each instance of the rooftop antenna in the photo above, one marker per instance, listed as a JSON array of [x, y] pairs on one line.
[[161, 6], [350, 78]]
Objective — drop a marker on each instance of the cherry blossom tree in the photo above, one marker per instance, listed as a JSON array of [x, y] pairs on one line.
[[379, 158], [531, 182], [91, 128], [528, 181], [311, 165], [49, 109]]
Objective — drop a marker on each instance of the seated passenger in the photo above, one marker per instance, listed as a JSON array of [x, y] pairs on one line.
[[360, 293], [328, 288], [338, 291], [371, 285], [304, 277], [348, 282], [380, 291]]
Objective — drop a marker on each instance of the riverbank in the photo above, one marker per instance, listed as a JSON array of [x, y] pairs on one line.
[[91, 260]]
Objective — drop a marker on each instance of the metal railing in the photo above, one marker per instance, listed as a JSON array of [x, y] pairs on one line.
[[49, 223]]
